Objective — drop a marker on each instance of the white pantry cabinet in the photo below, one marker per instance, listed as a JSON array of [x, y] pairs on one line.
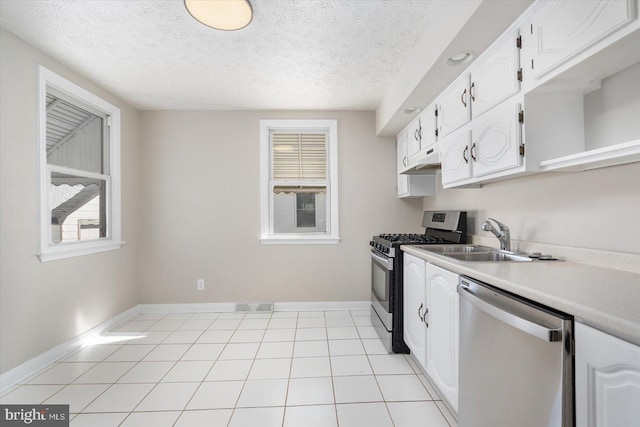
[[607, 379], [443, 331], [415, 306]]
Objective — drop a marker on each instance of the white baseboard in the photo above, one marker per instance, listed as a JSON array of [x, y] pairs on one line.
[[33, 366], [222, 307], [320, 305]]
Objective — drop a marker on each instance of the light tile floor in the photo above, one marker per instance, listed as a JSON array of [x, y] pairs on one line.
[[291, 369]]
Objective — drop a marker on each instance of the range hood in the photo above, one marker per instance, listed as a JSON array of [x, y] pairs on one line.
[[424, 163]]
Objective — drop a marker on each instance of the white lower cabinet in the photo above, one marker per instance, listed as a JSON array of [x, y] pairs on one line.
[[607, 380], [443, 331], [430, 303], [414, 305]]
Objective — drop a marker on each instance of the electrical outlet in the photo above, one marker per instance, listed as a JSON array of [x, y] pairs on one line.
[[200, 284]]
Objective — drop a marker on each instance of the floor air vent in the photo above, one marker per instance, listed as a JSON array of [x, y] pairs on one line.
[[257, 307]]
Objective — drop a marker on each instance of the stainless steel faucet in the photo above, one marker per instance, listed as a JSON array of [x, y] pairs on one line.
[[503, 234]]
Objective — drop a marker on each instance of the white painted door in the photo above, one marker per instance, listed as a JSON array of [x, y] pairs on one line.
[[456, 160], [442, 331], [607, 380], [415, 331], [496, 140], [454, 107], [564, 28], [402, 180], [495, 77]]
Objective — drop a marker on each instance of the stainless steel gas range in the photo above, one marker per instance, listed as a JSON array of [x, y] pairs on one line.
[[386, 271]]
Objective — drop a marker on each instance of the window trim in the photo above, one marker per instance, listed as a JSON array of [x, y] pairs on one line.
[[266, 209], [46, 250]]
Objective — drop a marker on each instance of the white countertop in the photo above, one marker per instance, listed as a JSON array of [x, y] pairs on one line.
[[606, 299]]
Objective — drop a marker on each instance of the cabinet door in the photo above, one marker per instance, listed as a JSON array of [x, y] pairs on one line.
[[456, 165], [414, 131], [415, 331], [564, 28], [495, 77], [496, 140], [607, 380], [429, 127], [454, 108], [442, 331], [402, 180]]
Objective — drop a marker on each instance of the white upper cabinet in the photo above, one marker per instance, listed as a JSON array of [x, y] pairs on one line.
[[607, 380], [411, 185], [454, 106], [495, 142], [489, 146], [414, 132], [421, 134], [494, 77], [564, 28], [557, 91], [456, 164], [429, 127], [401, 158]]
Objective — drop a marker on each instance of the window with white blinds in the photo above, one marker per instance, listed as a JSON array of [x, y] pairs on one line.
[[299, 181], [299, 156]]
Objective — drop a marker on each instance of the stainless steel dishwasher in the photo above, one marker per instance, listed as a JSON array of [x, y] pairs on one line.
[[516, 362]]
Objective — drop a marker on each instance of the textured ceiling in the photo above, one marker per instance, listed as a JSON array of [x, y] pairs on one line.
[[296, 54]]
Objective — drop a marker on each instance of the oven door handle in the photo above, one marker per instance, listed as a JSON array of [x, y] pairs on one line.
[[387, 263]]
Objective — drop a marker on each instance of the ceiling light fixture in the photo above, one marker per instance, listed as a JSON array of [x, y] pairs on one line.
[[411, 110], [459, 58], [226, 15]]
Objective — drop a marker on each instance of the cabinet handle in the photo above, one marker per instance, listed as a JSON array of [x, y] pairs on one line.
[[473, 156], [404, 160], [471, 91], [415, 135], [420, 312], [464, 154], [424, 317], [464, 93]]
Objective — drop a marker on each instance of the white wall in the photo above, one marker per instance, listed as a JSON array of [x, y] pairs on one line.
[[598, 209], [45, 304], [201, 217]]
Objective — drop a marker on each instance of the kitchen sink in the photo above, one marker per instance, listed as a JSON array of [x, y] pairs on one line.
[[475, 253], [457, 249], [493, 256]]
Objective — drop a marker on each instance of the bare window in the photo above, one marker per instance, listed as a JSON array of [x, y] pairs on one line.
[[80, 206]]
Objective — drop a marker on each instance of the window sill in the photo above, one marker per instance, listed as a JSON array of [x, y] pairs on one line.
[[300, 240], [73, 250]]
